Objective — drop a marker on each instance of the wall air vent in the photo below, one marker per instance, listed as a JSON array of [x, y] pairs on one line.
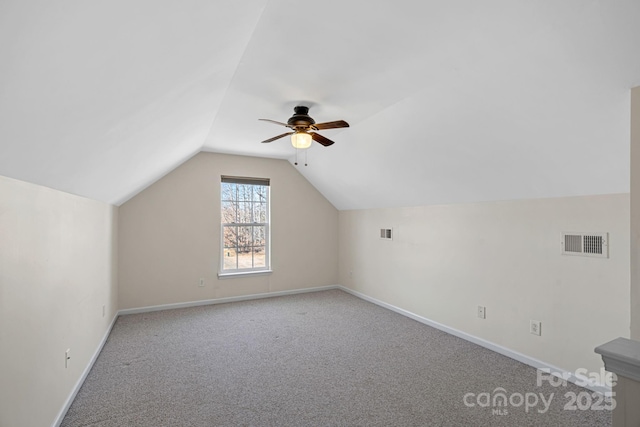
[[586, 244], [385, 233]]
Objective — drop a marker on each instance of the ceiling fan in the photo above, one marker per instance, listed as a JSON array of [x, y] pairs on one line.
[[303, 128]]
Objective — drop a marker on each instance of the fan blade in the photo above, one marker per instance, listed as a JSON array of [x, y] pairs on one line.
[[331, 125], [277, 137], [273, 121], [321, 139]]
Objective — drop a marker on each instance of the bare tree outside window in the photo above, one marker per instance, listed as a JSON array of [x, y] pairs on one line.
[[244, 218]]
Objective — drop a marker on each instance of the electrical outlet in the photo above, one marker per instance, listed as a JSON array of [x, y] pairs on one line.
[[104, 310], [67, 357], [351, 274], [201, 282], [482, 312], [535, 327]]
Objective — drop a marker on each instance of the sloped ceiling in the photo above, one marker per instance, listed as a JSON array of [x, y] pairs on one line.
[[448, 101]]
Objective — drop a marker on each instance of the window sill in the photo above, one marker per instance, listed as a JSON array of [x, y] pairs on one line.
[[243, 274]]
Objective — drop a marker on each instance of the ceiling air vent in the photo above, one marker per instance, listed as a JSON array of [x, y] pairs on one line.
[[586, 244], [385, 233]]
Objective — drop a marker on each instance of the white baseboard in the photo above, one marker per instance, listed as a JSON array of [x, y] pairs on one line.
[[223, 300], [87, 369], [523, 358]]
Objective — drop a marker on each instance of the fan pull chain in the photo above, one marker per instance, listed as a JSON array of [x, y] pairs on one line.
[[305, 157]]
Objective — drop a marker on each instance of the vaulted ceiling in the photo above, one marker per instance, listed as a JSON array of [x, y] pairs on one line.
[[448, 101]]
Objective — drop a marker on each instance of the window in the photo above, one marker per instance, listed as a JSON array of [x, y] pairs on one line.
[[245, 224]]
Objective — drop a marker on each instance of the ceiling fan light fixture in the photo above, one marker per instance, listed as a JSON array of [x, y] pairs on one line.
[[301, 140]]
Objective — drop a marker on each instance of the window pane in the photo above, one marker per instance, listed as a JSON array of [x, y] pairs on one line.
[[244, 213], [245, 239], [258, 236], [245, 192], [260, 212], [259, 259], [229, 212], [245, 259], [230, 259], [228, 191], [230, 236], [259, 193]]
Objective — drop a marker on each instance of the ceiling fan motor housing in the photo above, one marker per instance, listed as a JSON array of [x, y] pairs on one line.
[[301, 119]]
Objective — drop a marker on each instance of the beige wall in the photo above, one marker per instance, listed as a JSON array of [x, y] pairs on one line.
[[169, 234], [57, 270], [444, 261], [635, 213]]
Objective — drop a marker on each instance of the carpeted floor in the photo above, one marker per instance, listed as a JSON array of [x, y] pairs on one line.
[[317, 359]]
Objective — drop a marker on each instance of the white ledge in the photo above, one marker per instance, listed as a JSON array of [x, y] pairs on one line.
[[622, 357], [243, 273]]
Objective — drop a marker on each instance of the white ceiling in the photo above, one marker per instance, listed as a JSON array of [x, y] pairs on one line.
[[448, 101]]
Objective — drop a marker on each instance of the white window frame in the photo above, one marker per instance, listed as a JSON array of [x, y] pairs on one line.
[[235, 272]]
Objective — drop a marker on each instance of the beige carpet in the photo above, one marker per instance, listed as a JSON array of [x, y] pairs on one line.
[[318, 359]]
